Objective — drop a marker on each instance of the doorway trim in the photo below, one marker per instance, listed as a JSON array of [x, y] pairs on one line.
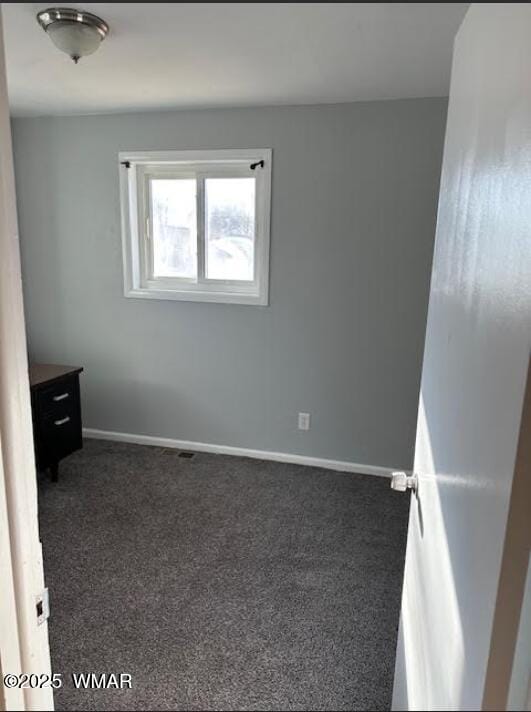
[[513, 574], [26, 641]]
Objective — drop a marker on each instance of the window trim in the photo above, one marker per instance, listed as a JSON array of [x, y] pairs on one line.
[[133, 212]]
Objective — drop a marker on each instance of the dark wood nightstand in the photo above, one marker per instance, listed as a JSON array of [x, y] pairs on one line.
[[56, 410]]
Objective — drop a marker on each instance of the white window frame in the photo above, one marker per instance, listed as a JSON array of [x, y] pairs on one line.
[[136, 168]]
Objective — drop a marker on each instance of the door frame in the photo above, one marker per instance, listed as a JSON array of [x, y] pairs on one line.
[[25, 644], [10, 698], [513, 573]]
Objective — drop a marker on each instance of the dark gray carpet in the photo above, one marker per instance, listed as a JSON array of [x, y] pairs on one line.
[[221, 583]]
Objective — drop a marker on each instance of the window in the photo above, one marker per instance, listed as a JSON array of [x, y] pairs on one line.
[[195, 225]]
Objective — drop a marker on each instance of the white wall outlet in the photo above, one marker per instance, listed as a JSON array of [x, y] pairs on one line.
[[304, 421]]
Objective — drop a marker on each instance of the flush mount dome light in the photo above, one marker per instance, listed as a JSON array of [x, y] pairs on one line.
[[75, 32]]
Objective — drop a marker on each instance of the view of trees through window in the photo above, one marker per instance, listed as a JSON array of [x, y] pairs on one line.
[[173, 209], [229, 228]]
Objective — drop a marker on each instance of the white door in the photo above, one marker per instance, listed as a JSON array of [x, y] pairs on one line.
[[475, 365]]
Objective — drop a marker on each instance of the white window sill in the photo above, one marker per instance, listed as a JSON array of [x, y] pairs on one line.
[[198, 296]]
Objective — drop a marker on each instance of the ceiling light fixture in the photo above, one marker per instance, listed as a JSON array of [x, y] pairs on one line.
[[75, 32]]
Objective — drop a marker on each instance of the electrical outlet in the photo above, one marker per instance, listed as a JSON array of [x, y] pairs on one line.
[[304, 421]]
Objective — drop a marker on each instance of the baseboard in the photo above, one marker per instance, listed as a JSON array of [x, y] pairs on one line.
[[338, 465]]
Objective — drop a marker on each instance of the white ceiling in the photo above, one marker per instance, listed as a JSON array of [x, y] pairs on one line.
[[177, 55]]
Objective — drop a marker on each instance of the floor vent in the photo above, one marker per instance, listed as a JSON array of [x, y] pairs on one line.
[[187, 455]]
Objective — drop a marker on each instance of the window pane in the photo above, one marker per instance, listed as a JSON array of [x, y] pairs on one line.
[[230, 228], [173, 210]]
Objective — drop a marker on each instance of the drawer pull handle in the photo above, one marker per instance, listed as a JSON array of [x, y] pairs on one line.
[[61, 397], [62, 421]]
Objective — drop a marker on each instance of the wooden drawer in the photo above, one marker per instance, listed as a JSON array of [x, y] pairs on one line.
[[60, 435], [58, 396]]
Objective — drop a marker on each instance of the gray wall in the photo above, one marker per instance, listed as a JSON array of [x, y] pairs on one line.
[[353, 219]]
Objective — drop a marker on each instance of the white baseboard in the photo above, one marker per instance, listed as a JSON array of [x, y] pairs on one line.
[[337, 465]]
